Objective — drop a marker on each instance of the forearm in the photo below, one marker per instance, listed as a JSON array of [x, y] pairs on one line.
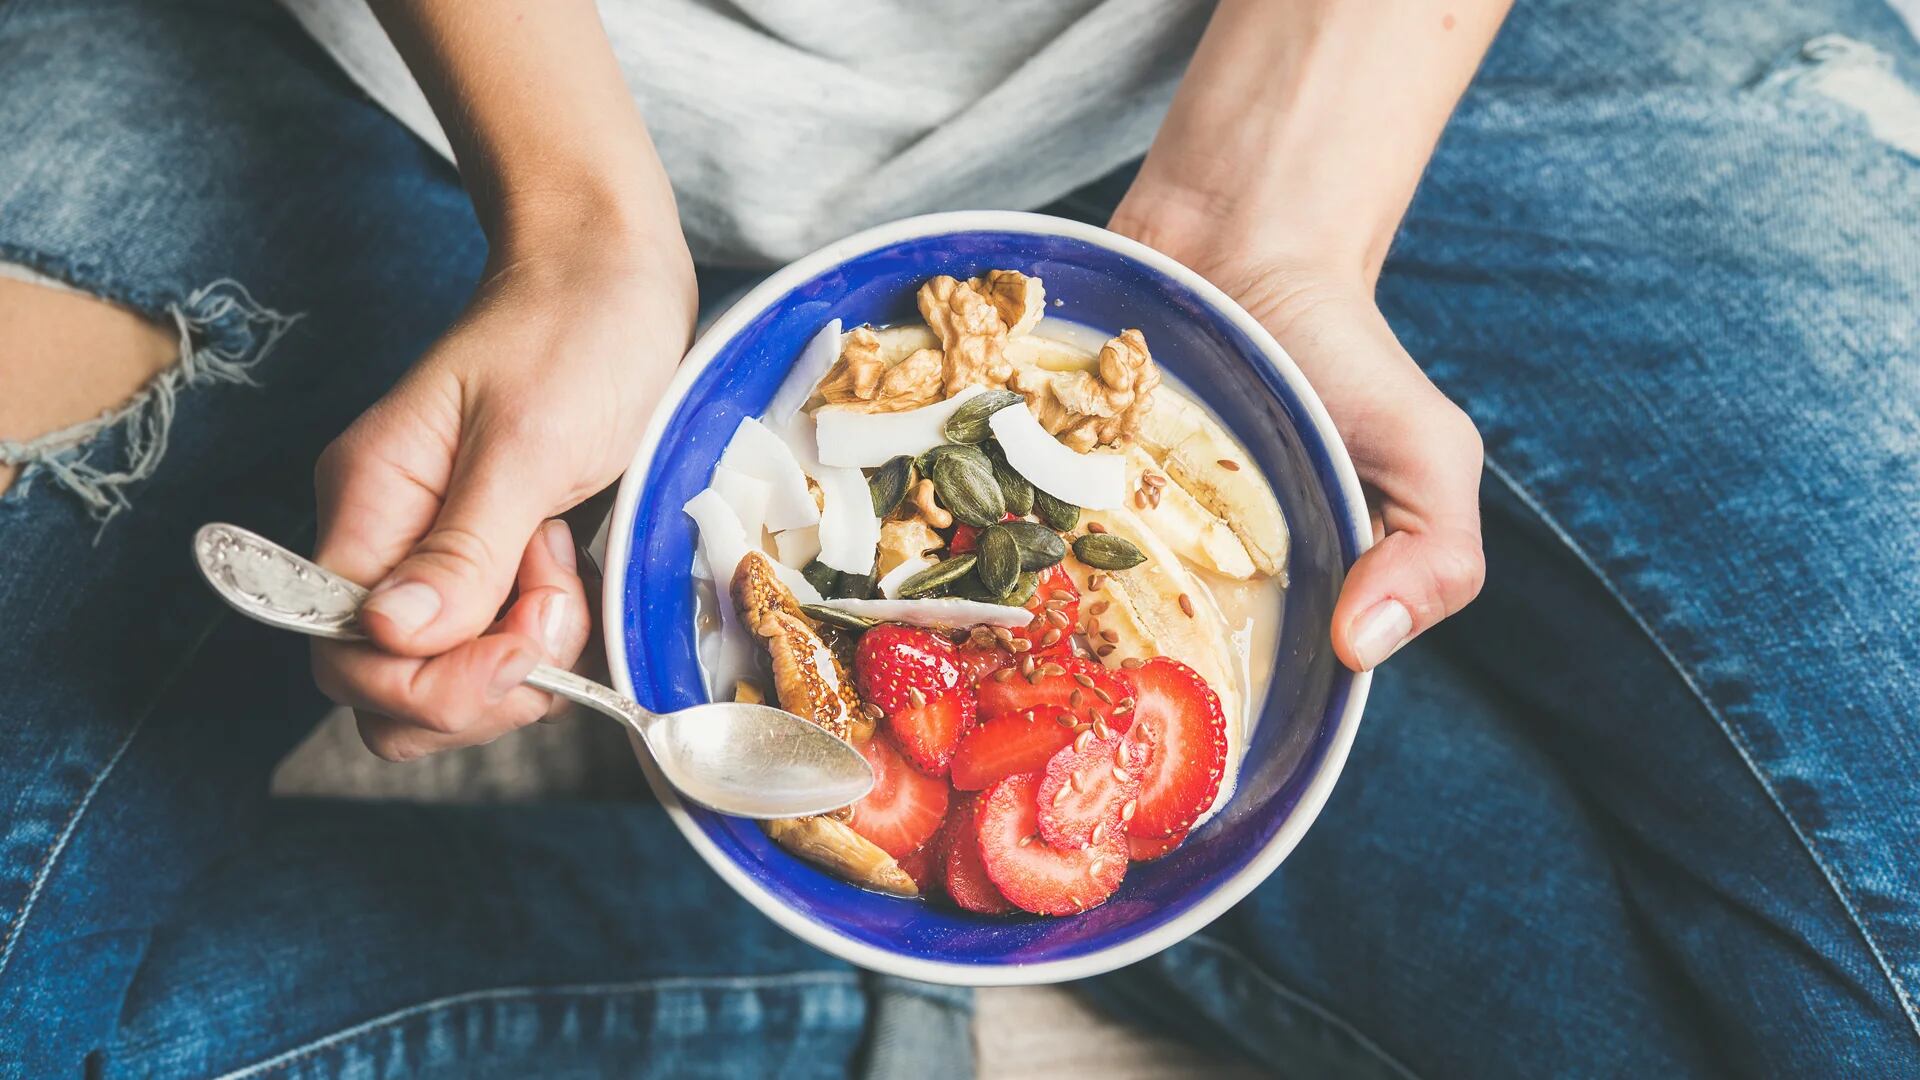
[[1303, 127], [548, 139]]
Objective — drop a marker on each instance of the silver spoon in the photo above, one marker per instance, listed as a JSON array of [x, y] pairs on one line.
[[751, 761]]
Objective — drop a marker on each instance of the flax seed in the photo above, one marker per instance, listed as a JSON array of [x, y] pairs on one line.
[[1095, 527], [1003, 635], [1153, 480], [1103, 695], [1058, 618], [1228, 464], [1060, 796], [1074, 699], [1052, 670], [1121, 774], [914, 695], [1003, 675], [1083, 679], [1096, 581], [1109, 637], [1101, 731], [1133, 663], [1139, 500], [1186, 605], [1021, 644], [1099, 608], [1062, 595], [1067, 721], [1050, 638], [1126, 705], [1025, 840], [1081, 740], [1026, 665]]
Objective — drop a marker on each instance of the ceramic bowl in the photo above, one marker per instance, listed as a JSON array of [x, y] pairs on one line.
[[1306, 723]]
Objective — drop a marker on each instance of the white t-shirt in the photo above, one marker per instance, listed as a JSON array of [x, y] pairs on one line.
[[786, 124]]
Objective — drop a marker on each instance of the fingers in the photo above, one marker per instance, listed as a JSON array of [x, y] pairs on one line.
[[471, 694], [452, 583], [1428, 562]]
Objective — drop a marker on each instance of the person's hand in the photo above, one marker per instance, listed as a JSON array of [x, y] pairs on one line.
[[440, 496], [1418, 455]]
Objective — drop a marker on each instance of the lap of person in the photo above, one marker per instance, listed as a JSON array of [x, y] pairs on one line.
[[1651, 803]]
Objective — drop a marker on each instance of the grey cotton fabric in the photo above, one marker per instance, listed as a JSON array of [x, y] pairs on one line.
[[787, 124]]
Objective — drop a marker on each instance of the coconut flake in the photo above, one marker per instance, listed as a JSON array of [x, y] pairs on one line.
[[798, 547], [723, 543], [943, 611], [747, 495], [847, 436], [1094, 481], [849, 529], [890, 582], [804, 378], [763, 455]]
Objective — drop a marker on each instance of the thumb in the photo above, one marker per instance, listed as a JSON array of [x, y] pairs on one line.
[[1403, 585], [453, 583]]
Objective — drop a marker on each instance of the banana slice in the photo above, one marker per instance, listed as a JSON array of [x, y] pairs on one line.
[[1192, 530], [899, 342], [1160, 609], [1048, 354], [845, 854], [1196, 451]]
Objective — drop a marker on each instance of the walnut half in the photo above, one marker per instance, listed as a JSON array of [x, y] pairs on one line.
[[862, 376], [1102, 407], [973, 338]]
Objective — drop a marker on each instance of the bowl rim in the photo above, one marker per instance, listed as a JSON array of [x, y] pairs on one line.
[[613, 615]]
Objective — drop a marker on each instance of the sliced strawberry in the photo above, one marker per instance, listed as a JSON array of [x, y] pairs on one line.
[[893, 661], [1182, 713], [1149, 848], [1087, 784], [904, 807], [913, 675], [1085, 688], [1011, 743], [979, 661], [923, 864], [1035, 877], [965, 875], [1054, 590]]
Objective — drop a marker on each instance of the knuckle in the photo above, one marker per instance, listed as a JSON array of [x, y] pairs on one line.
[[457, 551]]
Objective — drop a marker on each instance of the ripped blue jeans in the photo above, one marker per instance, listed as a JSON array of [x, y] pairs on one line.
[[1648, 808]]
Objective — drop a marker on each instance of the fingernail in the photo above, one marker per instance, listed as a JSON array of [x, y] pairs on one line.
[[511, 673], [560, 542], [1379, 632], [554, 618], [409, 605]]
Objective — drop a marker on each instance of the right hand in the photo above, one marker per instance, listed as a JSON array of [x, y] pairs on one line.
[[441, 497]]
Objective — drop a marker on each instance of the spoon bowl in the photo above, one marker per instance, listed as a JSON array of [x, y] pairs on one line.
[[751, 761]]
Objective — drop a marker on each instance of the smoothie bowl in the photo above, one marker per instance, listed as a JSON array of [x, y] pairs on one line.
[[1050, 529]]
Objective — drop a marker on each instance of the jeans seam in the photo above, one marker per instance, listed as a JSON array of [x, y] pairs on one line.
[[349, 1035], [59, 846], [1295, 997], [1833, 880]]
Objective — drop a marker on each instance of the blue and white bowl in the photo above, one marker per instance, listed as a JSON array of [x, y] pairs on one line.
[[1307, 721]]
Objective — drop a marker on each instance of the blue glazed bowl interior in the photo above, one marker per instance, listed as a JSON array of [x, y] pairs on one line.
[[1107, 290]]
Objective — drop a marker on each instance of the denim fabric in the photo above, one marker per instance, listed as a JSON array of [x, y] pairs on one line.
[[1647, 808]]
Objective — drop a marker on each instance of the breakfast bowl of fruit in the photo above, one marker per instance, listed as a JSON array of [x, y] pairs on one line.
[[1047, 528]]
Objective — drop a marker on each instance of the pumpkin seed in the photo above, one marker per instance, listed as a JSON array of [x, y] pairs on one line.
[[999, 565], [1105, 551], [1022, 590], [963, 480], [833, 616], [929, 581], [1040, 547], [821, 576], [889, 483], [967, 587], [1013, 487], [855, 587], [1059, 516], [968, 424], [929, 458]]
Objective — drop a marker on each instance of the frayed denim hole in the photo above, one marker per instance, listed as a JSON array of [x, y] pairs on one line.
[[1857, 77], [224, 333]]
